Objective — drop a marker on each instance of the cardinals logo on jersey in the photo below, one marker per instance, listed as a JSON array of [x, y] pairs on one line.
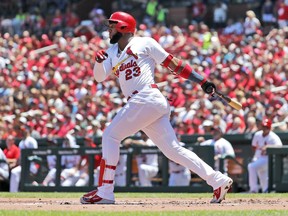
[[122, 66], [129, 52]]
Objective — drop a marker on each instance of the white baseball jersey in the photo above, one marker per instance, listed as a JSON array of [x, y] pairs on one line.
[[259, 142], [148, 159], [221, 147], [178, 175], [4, 168], [137, 70], [28, 142]]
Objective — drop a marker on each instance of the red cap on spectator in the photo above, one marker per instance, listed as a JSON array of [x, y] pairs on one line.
[[250, 101], [191, 27], [267, 123], [196, 121], [142, 27]]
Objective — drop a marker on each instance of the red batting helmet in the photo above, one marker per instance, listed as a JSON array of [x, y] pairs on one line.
[[267, 123], [125, 22]]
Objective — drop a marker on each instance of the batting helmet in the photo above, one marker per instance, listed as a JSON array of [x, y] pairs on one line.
[[125, 22], [267, 123]]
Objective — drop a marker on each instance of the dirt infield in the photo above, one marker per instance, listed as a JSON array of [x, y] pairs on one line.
[[138, 204]]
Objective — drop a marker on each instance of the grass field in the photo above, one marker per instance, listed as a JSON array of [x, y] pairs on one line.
[[250, 204]]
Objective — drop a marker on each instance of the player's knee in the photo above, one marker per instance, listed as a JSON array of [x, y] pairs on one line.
[[110, 137]]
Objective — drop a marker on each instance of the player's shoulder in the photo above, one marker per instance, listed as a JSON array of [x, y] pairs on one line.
[[272, 133], [143, 40], [225, 141]]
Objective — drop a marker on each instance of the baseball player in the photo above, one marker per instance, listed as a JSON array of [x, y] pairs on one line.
[[28, 142], [147, 163], [178, 175], [258, 168], [4, 167], [120, 172], [222, 147], [132, 60]]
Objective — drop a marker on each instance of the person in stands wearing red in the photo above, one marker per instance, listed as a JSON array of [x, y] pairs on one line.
[[12, 152]]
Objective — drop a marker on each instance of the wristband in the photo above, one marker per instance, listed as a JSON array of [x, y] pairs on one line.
[[185, 73], [167, 61], [178, 67]]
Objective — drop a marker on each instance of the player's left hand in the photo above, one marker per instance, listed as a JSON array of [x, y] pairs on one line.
[[101, 55], [208, 87]]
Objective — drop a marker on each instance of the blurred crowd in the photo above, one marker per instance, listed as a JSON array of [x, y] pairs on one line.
[[47, 88], [47, 83]]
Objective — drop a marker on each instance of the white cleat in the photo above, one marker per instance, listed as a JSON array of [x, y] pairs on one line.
[[220, 193]]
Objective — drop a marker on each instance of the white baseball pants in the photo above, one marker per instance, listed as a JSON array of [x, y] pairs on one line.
[[15, 179], [145, 173], [180, 179], [258, 169], [149, 111]]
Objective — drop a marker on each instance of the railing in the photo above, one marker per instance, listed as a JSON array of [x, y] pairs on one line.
[[238, 166], [278, 168], [39, 156]]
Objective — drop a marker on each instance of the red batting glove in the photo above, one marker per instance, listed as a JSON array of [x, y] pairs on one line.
[[101, 55]]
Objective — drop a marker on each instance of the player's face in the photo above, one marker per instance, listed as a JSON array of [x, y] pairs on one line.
[[112, 29], [266, 131], [114, 35]]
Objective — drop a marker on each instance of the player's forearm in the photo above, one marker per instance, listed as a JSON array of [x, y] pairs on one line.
[[178, 67], [99, 72], [184, 70]]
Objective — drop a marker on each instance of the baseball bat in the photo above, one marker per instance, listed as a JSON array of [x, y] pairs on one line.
[[231, 102]]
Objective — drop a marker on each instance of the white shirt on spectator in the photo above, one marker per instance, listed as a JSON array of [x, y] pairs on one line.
[[251, 25], [220, 13]]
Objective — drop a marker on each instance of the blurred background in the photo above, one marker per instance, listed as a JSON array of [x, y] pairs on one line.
[[47, 51]]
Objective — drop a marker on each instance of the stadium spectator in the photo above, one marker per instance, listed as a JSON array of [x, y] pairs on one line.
[[150, 12], [251, 23], [267, 12], [282, 11], [12, 152], [220, 15], [251, 126], [162, 14], [198, 11]]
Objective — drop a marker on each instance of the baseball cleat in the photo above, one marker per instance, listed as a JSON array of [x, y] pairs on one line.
[[220, 193], [93, 198]]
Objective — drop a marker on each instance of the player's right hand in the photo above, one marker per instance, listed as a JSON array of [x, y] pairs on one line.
[[101, 55]]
